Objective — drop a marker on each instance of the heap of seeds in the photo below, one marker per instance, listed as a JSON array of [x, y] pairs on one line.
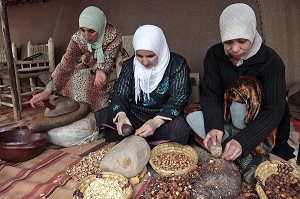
[[172, 161], [88, 165]]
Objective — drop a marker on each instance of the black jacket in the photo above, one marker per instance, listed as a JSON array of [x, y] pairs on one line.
[[219, 73], [168, 99]]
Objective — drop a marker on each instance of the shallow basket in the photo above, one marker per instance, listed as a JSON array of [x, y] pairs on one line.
[[178, 148], [266, 169], [82, 186]]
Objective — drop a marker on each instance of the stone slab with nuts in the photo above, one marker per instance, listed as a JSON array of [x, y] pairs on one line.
[[129, 157], [218, 179]]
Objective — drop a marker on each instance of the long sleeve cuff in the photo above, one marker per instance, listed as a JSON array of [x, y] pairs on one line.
[[118, 114]]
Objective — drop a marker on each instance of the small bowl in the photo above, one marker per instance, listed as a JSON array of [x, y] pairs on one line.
[[19, 144]]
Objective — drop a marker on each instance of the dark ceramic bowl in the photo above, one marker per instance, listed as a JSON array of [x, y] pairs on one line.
[[20, 144]]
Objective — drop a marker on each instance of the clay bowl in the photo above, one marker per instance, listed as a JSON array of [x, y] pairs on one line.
[[20, 144]]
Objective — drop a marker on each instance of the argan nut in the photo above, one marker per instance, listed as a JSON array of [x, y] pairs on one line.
[[126, 129], [215, 150]]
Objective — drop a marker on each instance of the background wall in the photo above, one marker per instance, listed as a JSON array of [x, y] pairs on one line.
[[281, 28], [190, 26]]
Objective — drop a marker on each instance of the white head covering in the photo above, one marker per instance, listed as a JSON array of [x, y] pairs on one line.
[[152, 38], [239, 21], [94, 18]]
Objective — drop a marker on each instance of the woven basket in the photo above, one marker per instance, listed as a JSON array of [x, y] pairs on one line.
[[83, 191], [266, 169], [178, 148]]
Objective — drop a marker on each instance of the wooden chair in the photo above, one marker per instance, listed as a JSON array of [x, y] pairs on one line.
[[4, 81], [30, 69], [41, 65], [126, 52], [46, 50], [127, 45], [195, 83]]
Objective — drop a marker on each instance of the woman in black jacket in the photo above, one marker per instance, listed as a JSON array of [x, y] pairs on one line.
[[241, 55]]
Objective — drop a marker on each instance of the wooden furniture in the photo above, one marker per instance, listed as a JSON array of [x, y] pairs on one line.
[[127, 51], [24, 70], [47, 51], [28, 71], [195, 83], [127, 45], [5, 91]]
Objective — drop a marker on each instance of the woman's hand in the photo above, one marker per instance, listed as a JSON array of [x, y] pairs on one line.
[[232, 151], [101, 78], [149, 127], [213, 135], [122, 119], [37, 100], [86, 58]]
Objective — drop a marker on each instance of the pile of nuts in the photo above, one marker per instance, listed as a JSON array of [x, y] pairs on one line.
[[172, 161], [88, 165], [282, 185], [178, 187], [247, 191]]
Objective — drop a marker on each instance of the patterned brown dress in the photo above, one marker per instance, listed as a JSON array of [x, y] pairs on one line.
[[74, 76]]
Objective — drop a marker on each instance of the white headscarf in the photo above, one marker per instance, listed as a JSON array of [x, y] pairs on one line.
[[94, 18], [152, 38], [239, 21]]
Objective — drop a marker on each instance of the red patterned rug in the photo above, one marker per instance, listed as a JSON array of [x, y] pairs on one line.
[[28, 114]]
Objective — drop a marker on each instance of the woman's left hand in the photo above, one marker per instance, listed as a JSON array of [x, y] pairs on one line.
[[100, 79], [149, 127], [232, 151]]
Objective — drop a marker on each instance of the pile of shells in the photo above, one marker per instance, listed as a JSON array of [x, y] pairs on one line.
[[171, 187]]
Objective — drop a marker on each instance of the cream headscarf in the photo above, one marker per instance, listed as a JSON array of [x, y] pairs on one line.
[[93, 18], [239, 21], [152, 38]]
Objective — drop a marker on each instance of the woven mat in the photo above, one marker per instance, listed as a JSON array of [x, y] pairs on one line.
[[28, 114], [39, 177], [44, 176]]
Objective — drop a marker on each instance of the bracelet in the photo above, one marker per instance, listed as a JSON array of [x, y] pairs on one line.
[[50, 84]]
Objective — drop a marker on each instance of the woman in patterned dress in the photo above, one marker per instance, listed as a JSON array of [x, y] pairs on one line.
[[87, 71], [152, 91]]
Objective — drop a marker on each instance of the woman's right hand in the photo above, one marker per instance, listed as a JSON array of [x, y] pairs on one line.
[[122, 119], [37, 100], [232, 151]]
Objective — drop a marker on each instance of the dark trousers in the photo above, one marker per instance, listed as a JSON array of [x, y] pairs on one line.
[[282, 148], [176, 130]]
